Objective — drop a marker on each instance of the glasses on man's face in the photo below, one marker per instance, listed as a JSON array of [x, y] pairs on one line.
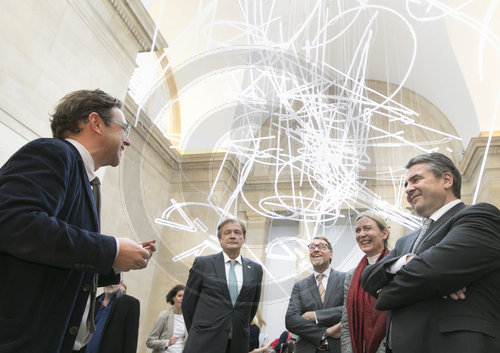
[[126, 126], [320, 246]]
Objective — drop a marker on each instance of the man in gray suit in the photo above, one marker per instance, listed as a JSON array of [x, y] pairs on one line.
[[315, 307], [222, 295], [442, 283]]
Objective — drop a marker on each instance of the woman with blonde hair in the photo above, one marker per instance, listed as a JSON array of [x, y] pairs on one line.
[[254, 336], [362, 326]]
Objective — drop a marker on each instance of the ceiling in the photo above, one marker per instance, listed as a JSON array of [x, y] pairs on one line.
[[445, 51]]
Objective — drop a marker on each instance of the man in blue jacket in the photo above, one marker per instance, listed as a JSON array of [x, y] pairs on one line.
[[51, 251]]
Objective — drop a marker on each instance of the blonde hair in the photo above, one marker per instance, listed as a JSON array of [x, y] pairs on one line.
[[258, 320], [379, 220]]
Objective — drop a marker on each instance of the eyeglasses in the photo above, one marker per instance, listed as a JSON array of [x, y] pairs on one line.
[[126, 126], [320, 246]]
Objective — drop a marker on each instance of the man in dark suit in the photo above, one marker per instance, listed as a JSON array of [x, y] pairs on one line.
[[442, 285], [50, 245], [222, 295], [116, 322], [316, 303]]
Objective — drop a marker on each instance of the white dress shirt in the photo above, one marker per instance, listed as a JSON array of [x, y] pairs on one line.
[[324, 280]]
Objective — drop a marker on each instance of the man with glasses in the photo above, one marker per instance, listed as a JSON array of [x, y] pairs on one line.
[[316, 303], [52, 254]]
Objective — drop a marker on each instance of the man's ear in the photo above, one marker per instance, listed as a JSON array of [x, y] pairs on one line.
[[95, 123], [447, 180]]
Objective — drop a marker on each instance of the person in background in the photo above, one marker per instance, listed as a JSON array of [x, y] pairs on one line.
[[316, 303], [256, 325], [222, 295], [283, 344], [169, 331], [123, 287], [362, 326], [116, 322]]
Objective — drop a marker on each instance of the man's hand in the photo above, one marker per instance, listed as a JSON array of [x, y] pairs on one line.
[[149, 246], [410, 257], [309, 316], [333, 331], [458, 295], [133, 256]]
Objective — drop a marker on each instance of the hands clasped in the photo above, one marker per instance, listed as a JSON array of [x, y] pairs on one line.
[[132, 255]]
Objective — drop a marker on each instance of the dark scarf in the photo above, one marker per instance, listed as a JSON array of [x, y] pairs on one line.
[[366, 324]]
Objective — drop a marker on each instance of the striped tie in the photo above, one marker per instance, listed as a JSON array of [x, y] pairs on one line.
[[321, 288]]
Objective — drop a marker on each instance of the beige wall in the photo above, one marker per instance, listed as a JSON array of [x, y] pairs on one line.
[[52, 47]]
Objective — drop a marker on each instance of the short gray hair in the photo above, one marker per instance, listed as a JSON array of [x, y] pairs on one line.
[[232, 220], [439, 164]]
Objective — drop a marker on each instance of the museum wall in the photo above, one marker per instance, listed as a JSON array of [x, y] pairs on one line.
[[52, 47]]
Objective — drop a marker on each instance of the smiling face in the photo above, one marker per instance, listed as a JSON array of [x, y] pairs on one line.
[[425, 192], [231, 239], [369, 237], [115, 141], [320, 258]]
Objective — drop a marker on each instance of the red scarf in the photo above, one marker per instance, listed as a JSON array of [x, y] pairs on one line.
[[366, 324]]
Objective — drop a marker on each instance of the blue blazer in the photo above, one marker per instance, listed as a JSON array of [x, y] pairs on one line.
[[50, 247], [207, 308]]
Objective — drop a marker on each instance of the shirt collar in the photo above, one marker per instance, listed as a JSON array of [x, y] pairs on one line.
[[227, 258], [436, 215], [86, 157], [372, 259], [326, 272]]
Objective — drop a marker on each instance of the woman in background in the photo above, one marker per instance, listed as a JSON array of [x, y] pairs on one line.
[[254, 336], [169, 331], [362, 327]]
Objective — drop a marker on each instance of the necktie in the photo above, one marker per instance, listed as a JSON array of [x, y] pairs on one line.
[[96, 191], [321, 288], [425, 227], [233, 284]]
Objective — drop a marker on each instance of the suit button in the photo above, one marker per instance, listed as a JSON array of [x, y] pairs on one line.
[[85, 288], [73, 330]]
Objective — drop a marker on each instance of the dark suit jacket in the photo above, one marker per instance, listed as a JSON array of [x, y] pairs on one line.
[[207, 308], [461, 249], [122, 325], [305, 297], [50, 247]]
